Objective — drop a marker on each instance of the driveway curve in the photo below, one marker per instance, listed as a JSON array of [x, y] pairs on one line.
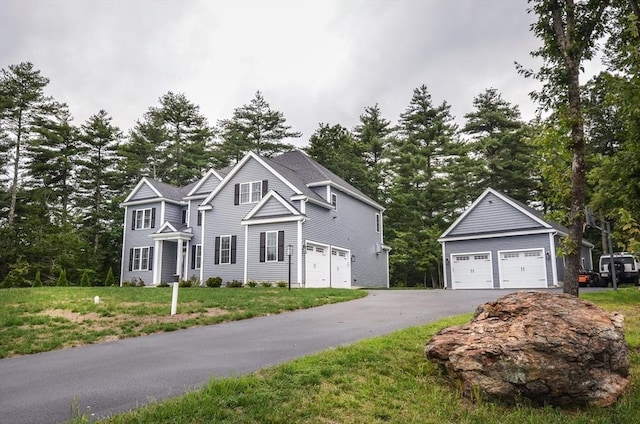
[[118, 376]]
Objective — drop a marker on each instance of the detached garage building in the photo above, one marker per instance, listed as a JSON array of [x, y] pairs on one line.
[[499, 242]]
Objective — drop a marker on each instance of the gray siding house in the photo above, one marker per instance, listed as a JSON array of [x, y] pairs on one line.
[[499, 242], [247, 222]]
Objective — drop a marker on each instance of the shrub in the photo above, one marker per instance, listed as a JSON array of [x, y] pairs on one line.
[[282, 284], [139, 283], [195, 281], [234, 284], [18, 275], [252, 283], [127, 284], [37, 282], [164, 284], [110, 280], [185, 283], [62, 279], [84, 280], [214, 282], [267, 284]]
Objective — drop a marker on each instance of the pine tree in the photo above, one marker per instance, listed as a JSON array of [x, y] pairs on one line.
[[98, 183], [62, 279], [254, 127], [22, 102], [500, 143], [110, 280], [420, 164]]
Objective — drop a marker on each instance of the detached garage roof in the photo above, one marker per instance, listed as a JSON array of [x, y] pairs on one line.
[[494, 214]]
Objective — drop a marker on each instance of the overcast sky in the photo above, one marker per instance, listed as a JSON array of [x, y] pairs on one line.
[[315, 61]]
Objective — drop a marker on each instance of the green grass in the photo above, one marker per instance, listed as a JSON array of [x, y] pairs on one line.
[[42, 319], [380, 380]]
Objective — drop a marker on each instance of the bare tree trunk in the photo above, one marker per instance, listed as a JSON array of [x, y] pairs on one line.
[[16, 173]]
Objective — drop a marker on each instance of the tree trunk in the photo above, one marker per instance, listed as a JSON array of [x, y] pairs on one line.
[[16, 172]]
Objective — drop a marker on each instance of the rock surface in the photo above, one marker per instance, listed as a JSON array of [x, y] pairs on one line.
[[550, 348]]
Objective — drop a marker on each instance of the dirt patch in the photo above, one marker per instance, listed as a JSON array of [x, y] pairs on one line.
[[71, 316]]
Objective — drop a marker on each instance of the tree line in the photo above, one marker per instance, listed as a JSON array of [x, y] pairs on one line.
[[63, 183]]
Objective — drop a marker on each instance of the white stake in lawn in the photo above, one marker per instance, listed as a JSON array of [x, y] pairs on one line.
[[174, 299]]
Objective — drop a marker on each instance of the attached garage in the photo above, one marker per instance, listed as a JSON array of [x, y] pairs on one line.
[[512, 245], [522, 269], [471, 271], [327, 266]]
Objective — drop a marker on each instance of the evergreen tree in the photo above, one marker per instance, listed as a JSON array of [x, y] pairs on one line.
[[98, 183], [254, 127], [500, 143], [421, 163], [336, 149], [52, 153], [172, 143], [373, 133], [110, 280], [62, 279], [22, 103]]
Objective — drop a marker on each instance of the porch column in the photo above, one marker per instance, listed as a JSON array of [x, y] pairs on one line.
[[157, 262], [179, 259]]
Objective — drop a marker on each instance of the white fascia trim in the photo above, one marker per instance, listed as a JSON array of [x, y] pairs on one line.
[[211, 172], [165, 226], [153, 200], [177, 235], [445, 282], [351, 193], [479, 199], [202, 247], [306, 198], [238, 166], [496, 235], [205, 208], [271, 194], [246, 254], [138, 186], [299, 255], [196, 197], [257, 221]]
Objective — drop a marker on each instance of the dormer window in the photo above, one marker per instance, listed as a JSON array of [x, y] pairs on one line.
[[334, 201]]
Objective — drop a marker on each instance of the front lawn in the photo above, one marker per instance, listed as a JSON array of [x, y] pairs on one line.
[[47, 318], [381, 380]]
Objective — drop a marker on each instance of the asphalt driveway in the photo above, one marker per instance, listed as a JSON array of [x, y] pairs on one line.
[[121, 375]]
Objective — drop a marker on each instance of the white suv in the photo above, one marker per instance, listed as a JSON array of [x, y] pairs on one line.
[[625, 266]]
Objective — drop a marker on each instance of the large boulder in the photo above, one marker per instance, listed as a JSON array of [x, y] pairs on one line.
[[550, 348]]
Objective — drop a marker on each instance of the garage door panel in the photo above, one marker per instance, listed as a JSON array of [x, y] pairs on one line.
[[523, 269], [472, 271], [340, 269], [317, 266]]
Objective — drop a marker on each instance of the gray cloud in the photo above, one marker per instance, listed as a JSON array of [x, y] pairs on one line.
[[316, 61]]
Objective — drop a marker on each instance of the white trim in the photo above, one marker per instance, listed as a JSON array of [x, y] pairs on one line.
[[266, 246], [154, 200], [138, 186], [220, 249], [157, 262], [552, 254], [238, 166], [271, 194], [200, 183], [444, 265], [277, 220], [202, 241], [306, 198], [175, 235], [503, 198], [246, 254], [343, 189], [299, 254], [124, 243], [163, 207], [497, 235]]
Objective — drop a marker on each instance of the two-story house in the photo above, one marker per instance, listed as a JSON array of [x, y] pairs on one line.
[[263, 220]]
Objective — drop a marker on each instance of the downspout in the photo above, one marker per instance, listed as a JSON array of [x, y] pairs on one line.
[[554, 266]]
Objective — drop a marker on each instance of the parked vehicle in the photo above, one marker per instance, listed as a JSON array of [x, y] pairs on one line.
[[625, 266], [590, 279]]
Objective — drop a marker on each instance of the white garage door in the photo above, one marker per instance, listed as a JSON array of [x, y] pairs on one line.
[[471, 271], [523, 269], [340, 269], [317, 266]]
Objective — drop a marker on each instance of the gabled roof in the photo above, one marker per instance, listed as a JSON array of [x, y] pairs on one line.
[[312, 174], [196, 186], [542, 225], [273, 196]]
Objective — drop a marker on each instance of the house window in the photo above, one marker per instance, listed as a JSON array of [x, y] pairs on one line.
[[272, 246], [196, 256], [143, 218], [140, 258], [184, 216], [225, 250], [250, 192], [200, 218], [377, 223], [334, 201]]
